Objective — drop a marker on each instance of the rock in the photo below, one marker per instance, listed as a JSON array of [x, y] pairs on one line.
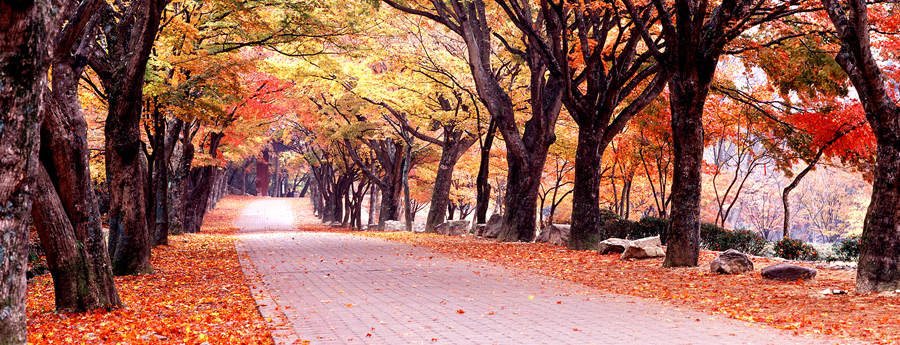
[[494, 226], [647, 242], [612, 245], [788, 272], [555, 234], [731, 262], [419, 227], [636, 252], [479, 229], [394, 225], [453, 228]]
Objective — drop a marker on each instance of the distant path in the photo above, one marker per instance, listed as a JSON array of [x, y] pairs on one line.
[[334, 288]]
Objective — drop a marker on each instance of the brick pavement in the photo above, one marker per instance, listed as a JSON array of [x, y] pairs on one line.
[[332, 288]]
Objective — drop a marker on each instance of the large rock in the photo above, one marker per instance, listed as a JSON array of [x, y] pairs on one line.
[[647, 242], [612, 245], [394, 225], [479, 229], [731, 262], [788, 272], [638, 252], [453, 228], [494, 226], [556, 234]]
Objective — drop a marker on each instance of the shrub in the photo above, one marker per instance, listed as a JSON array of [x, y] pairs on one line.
[[847, 249], [792, 249], [650, 226], [714, 237], [619, 228]]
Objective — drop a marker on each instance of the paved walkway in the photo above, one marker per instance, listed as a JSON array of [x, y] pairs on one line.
[[333, 288]]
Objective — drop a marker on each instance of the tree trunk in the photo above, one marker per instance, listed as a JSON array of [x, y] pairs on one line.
[[482, 184], [64, 157], [687, 99], [122, 75], [879, 258], [77, 285], [440, 196], [24, 31], [201, 183], [262, 174], [586, 226]]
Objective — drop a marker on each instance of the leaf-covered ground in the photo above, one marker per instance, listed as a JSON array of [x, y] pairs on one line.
[[796, 306], [196, 294]]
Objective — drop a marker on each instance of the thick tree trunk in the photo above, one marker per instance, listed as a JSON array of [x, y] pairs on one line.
[[121, 69], [65, 156], [586, 190], [687, 99], [78, 286], [523, 185], [24, 30], [440, 196], [161, 186]]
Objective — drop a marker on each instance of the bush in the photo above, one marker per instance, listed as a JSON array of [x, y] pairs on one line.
[[650, 226], [618, 228], [713, 237], [847, 249], [792, 249]]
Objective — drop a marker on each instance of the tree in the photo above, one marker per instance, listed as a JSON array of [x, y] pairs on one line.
[[66, 213], [879, 261], [699, 35], [120, 61], [25, 31], [602, 65], [527, 148]]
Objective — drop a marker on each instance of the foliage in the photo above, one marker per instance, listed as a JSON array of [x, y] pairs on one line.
[[792, 249], [196, 294], [651, 226], [714, 237], [847, 249]]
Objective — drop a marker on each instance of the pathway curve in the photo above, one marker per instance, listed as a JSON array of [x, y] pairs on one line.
[[332, 288]]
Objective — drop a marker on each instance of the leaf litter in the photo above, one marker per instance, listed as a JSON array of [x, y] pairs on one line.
[[796, 306], [197, 294]]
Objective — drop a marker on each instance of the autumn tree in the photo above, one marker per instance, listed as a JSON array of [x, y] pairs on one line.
[[26, 29], [527, 147], [66, 211], [879, 261], [699, 33]]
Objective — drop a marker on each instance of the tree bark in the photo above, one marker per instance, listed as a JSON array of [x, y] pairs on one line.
[[454, 146], [262, 174], [586, 196], [482, 184], [879, 258], [121, 68], [24, 31], [200, 184], [64, 155]]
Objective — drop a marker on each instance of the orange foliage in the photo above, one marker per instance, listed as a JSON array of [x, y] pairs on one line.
[[196, 294]]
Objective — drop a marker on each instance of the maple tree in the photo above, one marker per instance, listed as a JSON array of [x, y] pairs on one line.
[[878, 270]]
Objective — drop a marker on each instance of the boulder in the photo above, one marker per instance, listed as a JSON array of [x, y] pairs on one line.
[[556, 234], [453, 228], [638, 252], [612, 245], [731, 262], [647, 242], [788, 272], [479, 229], [494, 226], [394, 225]]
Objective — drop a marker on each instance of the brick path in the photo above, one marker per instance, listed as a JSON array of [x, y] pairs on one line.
[[341, 289]]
